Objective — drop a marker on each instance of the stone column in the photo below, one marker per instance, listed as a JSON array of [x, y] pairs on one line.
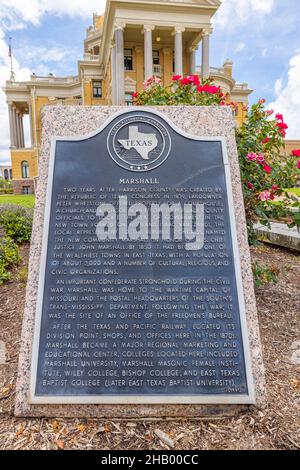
[[168, 64], [16, 127], [11, 126], [205, 53], [114, 93], [120, 75], [34, 115], [139, 67], [22, 131], [192, 59], [178, 50], [19, 130], [31, 124], [148, 58]]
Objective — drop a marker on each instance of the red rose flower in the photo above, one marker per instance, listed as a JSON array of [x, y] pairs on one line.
[[296, 153], [250, 185], [194, 79], [135, 95], [266, 140], [267, 169], [262, 101], [211, 89], [175, 78], [202, 88], [279, 117], [282, 125], [282, 132], [185, 81]]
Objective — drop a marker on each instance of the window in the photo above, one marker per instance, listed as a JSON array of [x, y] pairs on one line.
[[6, 174], [128, 62], [10, 174], [26, 190], [128, 99], [25, 169], [97, 89], [155, 55]]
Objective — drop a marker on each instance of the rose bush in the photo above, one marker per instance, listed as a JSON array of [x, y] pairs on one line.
[[182, 91], [266, 171]]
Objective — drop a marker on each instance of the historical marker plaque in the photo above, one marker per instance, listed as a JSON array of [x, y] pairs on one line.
[[140, 295]]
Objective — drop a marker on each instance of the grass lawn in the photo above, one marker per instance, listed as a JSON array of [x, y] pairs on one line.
[[26, 200]]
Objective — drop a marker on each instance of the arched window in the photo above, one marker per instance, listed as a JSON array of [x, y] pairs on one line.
[[25, 169], [6, 174]]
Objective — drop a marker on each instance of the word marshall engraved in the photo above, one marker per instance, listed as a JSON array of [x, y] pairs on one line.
[[140, 296]]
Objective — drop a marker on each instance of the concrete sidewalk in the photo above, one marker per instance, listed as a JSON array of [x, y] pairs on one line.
[[279, 234]]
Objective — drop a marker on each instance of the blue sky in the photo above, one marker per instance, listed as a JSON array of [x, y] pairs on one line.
[[261, 46], [262, 37], [57, 36]]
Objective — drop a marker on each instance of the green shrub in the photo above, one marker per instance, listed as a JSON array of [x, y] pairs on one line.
[[5, 186], [266, 170], [6, 191], [9, 256], [16, 221]]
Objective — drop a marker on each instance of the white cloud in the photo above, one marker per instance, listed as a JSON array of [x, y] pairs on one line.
[[240, 47], [264, 52], [42, 54], [278, 86], [234, 12], [31, 11], [288, 98], [83, 8]]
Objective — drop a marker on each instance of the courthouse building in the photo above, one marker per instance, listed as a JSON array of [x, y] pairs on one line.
[[132, 41]]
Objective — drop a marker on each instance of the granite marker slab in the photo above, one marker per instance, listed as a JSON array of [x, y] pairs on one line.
[[139, 323]]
